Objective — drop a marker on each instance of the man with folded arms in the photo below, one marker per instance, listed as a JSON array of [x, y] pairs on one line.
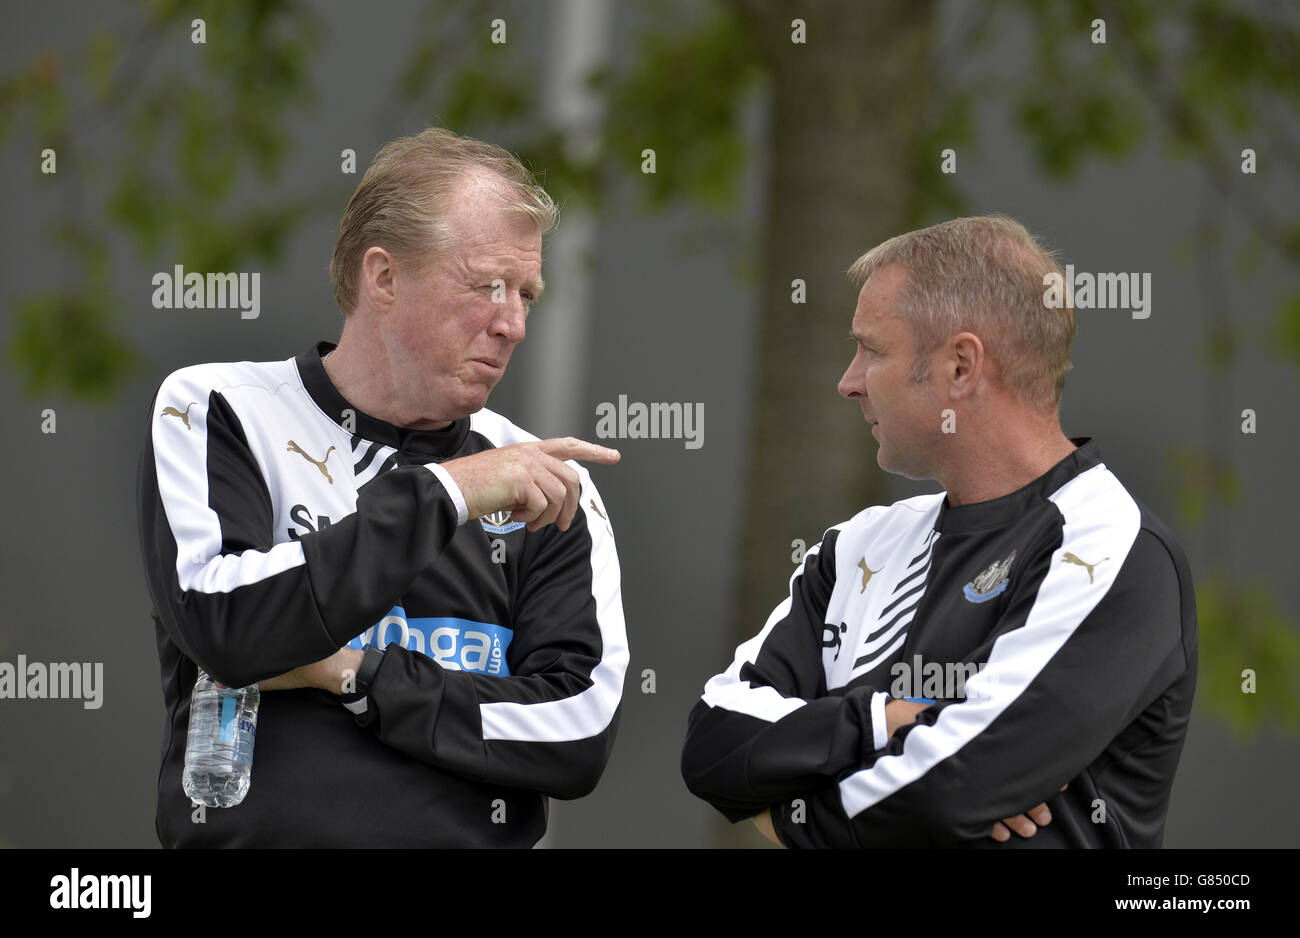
[[1010, 662]]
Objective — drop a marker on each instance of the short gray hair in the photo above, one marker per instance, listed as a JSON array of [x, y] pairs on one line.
[[402, 201], [984, 275]]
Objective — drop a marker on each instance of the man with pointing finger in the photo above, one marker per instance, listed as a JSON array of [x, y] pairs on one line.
[[427, 595]]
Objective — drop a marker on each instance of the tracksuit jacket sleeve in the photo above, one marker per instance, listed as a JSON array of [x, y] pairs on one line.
[[240, 605], [765, 728], [549, 725], [1073, 662]]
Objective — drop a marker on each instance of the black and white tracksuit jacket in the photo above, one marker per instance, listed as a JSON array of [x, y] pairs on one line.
[[278, 523], [1055, 627]]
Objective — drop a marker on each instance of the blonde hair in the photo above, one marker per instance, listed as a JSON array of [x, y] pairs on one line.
[[402, 202], [983, 275]]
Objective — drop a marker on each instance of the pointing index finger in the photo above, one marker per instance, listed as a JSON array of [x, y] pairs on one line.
[[571, 448]]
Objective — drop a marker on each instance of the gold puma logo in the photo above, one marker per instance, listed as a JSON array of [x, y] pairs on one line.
[[1071, 558], [173, 412], [319, 463], [867, 573], [592, 503]]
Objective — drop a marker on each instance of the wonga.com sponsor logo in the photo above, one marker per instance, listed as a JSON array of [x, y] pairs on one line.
[[456, 644]]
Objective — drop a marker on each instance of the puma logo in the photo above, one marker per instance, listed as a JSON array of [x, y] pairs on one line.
[[1071, 558], [867, 573], [592, 503], [318, 463], [173, 412]]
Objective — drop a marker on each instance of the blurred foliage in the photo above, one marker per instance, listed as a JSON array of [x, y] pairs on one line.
[[68, 346], [154, 139], [951, 125], [1287, 338], [683, 87], [198, 124], [1075, 106], [1200, 480], [454, 76], [1241, 628], [66, 338]]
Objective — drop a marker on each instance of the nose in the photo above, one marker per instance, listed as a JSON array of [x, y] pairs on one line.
[[850, 385], [509, 320]]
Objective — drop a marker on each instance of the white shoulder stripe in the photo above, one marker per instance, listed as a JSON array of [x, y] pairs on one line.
[[728, 691], [180, 463], [1101, 520]]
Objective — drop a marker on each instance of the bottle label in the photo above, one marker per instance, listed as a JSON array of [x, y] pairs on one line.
[[456, 644], [228, 724]]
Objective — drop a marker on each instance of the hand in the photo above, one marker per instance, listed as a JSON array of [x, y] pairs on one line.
[[1022, 825], [900, 713], [764, 824], [530, 480], [327, 674]]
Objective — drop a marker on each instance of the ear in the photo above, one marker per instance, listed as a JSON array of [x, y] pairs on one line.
[[965, 365], [377, 269]]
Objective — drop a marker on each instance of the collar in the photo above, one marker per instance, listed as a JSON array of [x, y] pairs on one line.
[[999, 512], [439, 444]]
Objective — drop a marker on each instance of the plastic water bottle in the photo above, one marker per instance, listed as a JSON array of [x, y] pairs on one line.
[[219, 743]]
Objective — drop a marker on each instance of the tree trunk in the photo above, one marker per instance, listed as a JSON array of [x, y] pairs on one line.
[[846, 110]]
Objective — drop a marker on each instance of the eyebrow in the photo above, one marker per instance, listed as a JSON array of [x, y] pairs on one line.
[[478, 272]]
